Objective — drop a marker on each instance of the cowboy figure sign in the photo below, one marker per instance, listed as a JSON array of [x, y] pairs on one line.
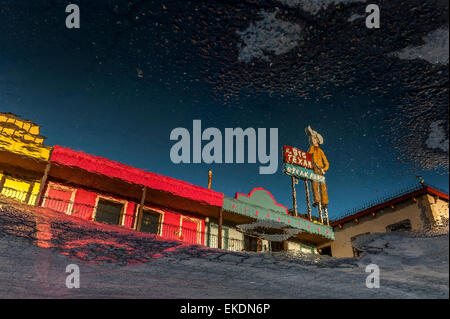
[[320, 164]]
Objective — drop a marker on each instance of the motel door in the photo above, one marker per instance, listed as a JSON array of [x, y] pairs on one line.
[[189, 232], [276, 245], [58, 199]]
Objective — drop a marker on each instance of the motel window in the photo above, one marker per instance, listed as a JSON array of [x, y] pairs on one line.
[[151, 222], [16, 187], [252, 243], [212, 238], [277, 246], [109, 212], [307, 249], [325, 251], [404, 225]]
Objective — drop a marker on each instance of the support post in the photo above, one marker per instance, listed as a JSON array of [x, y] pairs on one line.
[[209, 178], [319, 208], [294, 196], [325, 210], [29, 193], [208, 232], [42, 185], [2, 182], [219, 230], [141, 209], [308, 200]]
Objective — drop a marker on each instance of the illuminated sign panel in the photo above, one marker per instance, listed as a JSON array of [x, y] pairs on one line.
[[303, 173], [295, 156]]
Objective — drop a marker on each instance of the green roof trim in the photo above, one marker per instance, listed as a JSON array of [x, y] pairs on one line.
[[261, 205]]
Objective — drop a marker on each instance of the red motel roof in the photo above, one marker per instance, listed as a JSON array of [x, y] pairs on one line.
[[113, 169]]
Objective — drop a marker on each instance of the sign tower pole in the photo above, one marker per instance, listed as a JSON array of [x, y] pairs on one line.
[[319, 204], [325, 210], [294, 195], [308, 202]]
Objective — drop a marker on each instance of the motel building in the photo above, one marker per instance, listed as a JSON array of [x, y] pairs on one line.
[[419, 208], [104, 191], [23, 158]]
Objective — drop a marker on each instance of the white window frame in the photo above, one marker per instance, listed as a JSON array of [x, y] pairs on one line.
[[111, 199]]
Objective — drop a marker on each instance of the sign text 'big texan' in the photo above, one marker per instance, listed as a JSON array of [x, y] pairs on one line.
[[300, 164], [295, 156]]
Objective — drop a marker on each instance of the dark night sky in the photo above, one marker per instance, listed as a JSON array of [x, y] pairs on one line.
[[82, 87]]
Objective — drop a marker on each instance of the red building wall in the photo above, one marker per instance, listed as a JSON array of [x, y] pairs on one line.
[[84, 202]]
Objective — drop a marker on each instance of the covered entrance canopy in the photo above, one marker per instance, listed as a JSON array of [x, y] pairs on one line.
[[260, 209]]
